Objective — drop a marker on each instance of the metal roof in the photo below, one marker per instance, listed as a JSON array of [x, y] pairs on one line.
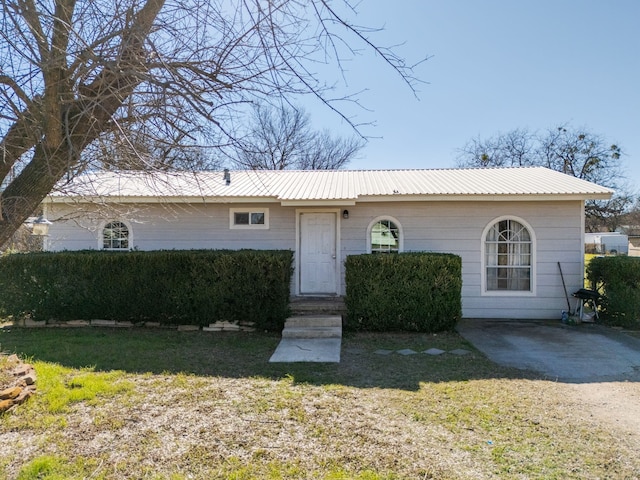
[[308, 186]]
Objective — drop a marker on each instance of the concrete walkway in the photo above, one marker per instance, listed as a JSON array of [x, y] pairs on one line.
[[580, 353], [310, 338], [307, 350]]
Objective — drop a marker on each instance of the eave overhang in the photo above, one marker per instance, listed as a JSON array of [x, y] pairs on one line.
[[546, 197]]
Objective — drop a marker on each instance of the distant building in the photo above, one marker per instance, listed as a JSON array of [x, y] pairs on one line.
[[634, 245], [606, 242]]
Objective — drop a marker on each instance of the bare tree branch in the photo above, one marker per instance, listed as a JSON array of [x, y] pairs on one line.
[[575, 152], [280, 139], [78, 75]]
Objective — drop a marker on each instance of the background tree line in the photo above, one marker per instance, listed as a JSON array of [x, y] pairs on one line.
[[574, 151]]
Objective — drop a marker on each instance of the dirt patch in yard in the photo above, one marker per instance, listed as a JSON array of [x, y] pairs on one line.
[[614, 406]]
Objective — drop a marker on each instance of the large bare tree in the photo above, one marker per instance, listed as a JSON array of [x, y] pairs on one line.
[[76, 72], [574, 151], [282, 137]]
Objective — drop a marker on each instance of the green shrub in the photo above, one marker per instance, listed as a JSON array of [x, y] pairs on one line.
[[171, 287], [618, 280], [409, 291]]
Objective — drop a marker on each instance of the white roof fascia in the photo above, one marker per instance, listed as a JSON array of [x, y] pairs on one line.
[[318, 203], [337, 202], [143, 199], [482, 197]]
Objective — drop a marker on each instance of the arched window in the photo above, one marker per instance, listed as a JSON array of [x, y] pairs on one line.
[[508, 250], [385, 236], [115, 236]]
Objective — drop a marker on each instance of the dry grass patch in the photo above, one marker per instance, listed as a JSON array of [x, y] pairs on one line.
[[6, 366], [198, 406]]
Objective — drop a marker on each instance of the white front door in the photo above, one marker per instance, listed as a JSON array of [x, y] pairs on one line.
[[318, 263]]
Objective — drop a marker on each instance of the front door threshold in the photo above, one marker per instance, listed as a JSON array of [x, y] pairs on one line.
[[316, 295]]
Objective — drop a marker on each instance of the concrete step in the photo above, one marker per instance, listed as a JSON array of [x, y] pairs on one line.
[[314, 321], [317, 305], [312, 332]]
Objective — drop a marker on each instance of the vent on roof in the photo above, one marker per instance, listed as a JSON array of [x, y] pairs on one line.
[[227, 176]]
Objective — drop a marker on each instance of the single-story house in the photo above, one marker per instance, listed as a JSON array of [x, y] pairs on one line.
[[512, 227]]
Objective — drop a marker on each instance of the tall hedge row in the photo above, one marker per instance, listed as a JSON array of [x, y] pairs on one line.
[[171, 287], [408, 291], [618, 280]]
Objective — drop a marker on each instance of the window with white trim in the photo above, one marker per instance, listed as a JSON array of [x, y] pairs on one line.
[[256, 218], [508, 250], [384, 236], [115, 236]]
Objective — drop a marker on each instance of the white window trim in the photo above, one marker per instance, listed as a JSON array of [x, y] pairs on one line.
[[483, 261], [264, 211], [391, 219], [101, 236]]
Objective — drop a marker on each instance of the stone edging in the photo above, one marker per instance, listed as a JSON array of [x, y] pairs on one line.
[[221, 326]]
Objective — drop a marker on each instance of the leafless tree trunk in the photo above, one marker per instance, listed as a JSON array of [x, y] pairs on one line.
[[73, 74]]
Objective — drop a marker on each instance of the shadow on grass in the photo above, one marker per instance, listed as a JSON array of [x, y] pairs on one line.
[[239, 355]]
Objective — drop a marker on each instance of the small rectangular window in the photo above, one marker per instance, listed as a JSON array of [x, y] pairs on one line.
[[241, 218], [255, 218]]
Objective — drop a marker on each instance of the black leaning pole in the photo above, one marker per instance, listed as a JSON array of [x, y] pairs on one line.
[[566, 295]]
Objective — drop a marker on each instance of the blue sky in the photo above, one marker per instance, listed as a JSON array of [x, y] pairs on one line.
[[495, 65]]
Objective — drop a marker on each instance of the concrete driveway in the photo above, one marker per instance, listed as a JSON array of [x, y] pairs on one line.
[[580, 353]]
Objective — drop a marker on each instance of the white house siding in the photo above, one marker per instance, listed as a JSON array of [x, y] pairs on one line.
[[448, 227], [166, 227], [457, 227]]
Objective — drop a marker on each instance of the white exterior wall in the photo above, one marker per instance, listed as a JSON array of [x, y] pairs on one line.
[[457, 227], [447, 227], [167, 227]]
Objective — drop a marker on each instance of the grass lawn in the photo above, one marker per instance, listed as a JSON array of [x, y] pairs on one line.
[[159, 404]]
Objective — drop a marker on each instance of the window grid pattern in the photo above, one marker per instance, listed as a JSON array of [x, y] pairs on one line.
[[115, 236], [508, 250], [385, 237]]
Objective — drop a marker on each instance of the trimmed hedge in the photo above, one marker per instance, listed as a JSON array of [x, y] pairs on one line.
[[195, 287], [618, 279], [408, 291]]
